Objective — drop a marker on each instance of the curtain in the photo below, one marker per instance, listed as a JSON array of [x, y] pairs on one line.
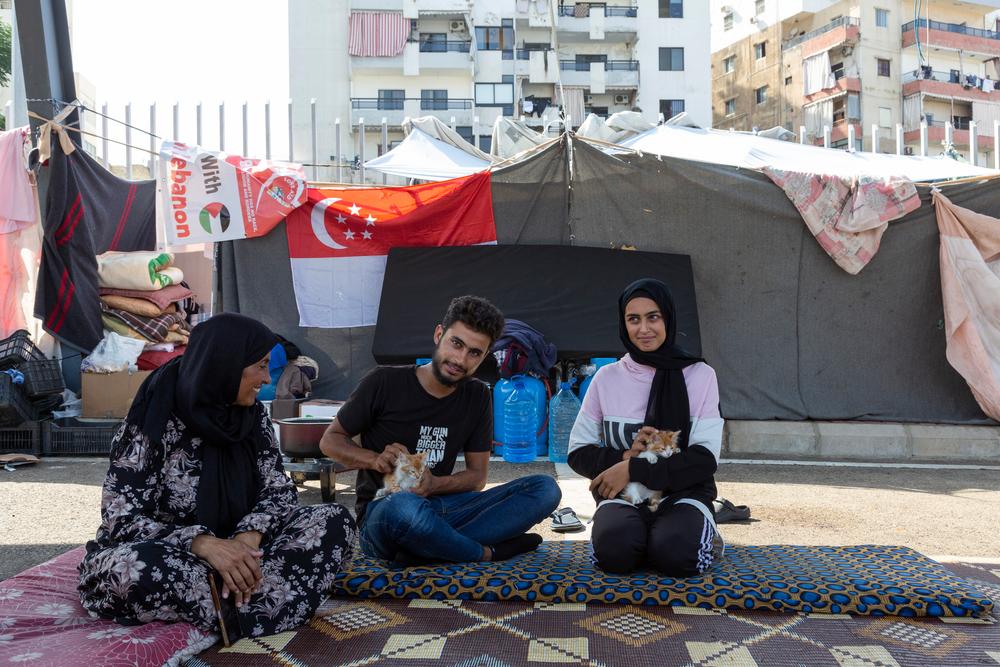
[[911, 113], [816, 74], [572, 103], [377, 34], [818, 116], [985, 114]]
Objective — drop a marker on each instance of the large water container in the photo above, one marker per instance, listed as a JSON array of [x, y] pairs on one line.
[[519, 424], [597, 362], [535, 388], [562, 414]]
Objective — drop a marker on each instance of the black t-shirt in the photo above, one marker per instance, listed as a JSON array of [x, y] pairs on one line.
[[390, 405]]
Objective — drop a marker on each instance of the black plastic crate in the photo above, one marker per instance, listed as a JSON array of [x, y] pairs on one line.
[[24, 439], [72, 437], [14, 405], [18, 348], [42, 377]]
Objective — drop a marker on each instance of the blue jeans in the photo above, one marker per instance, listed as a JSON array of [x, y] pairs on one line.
[[455, 527]]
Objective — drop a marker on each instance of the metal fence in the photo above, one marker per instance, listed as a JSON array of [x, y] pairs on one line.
[[951, 27], [836, 23], [609, 65]]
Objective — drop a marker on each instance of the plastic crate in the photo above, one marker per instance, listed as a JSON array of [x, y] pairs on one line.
[[42, 377], [24, 439], [18, 348], [41, 408], [14, 405], [71, 437]]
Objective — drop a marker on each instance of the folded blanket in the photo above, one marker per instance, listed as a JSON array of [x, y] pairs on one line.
[[137, 306], [137, 270], [154, 329], [161, 297], [152, 359], [117, 326]]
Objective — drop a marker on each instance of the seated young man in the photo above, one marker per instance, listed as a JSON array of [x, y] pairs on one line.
[[440, 409]]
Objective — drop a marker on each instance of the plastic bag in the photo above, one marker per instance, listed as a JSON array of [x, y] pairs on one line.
[[114, 353]]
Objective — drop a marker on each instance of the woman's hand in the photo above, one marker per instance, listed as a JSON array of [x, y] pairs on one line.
[[642, 437], [235, 560], [612, 481], [251, 538]]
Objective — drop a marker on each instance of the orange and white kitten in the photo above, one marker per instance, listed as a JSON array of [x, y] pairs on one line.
[[662, 445], [409, 469]]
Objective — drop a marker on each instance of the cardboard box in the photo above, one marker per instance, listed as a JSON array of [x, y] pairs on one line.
[[319, 407], [109, 396]]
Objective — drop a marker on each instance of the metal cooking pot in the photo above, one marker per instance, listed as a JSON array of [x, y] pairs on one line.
[[300, 436]]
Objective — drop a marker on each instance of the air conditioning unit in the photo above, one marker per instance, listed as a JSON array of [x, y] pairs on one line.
[[458, 26], [621, 99], [753, 19], [588, 98], [907, 150]]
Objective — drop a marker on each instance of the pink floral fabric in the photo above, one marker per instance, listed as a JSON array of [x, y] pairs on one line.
[[43, 624], [847, 216]]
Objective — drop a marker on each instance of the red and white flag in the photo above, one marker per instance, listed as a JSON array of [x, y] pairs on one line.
[[338, 241]]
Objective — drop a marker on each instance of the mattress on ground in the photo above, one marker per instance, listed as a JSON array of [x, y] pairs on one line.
[[869, 580], [43, 623]]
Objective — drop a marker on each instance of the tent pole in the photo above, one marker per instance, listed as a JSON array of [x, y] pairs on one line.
[[899, 138]]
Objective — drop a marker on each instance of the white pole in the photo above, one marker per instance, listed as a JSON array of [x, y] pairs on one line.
[[826, 136], [923, 138], [802, 134], [177, 120], [385, 142], [875, 138], [246, 134], [291, 143], [267, 129], [973, 144], [338, 161], [312, 135], [949, 134], [222, 126], [198, 123], [996, 144], [899, 139], [128, 141], [152, 140], [850, 138], [361, 147], [104, 132]]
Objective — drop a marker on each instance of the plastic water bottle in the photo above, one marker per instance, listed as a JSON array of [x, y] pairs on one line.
[[519, 422], [562, 414], [597, 362]]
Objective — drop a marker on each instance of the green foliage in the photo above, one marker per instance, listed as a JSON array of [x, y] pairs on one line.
[[5, 46]]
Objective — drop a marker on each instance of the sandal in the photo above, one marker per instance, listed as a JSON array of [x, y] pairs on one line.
[[565, 520], [726, 512]]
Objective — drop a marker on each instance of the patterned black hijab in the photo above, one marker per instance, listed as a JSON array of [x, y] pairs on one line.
[[668, 407], [199, 388]]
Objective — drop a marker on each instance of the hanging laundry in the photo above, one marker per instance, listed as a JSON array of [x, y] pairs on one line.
[[377, 34], [847, 215], [17, 200], [88, 211]]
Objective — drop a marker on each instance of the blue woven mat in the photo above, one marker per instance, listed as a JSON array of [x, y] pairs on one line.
[[868, 580]]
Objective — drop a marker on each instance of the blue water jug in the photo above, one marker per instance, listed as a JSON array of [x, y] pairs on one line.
[[519, 427], [536, 389], [562, 415], [597, 363]]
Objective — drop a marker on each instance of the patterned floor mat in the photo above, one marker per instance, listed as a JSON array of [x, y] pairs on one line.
[[461, 633], [871, 580]]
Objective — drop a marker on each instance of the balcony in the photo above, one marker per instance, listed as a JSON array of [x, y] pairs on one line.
[[950, 84], [836, 32], [395, 111], [445, 55], [843, 85], [617, 73], [574, 21], [952, 36], [936, 133]]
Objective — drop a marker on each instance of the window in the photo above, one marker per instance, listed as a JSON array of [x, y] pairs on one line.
[[671, 9], [465, 131], [731, 107], [389, 100], [671, 59], [788, 80], [485, 143], [883, 66], [760, 50], [837, 69], [727, 21], [494, 94], [433, 100], [881, 18], [496, 38], [729, 64], [884, 117], [670, 108], [433, 42], [759, 7], [585, 58], [760, 94]]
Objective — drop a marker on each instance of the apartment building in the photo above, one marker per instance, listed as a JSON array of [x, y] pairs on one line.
[[468, 62], [861, 64]]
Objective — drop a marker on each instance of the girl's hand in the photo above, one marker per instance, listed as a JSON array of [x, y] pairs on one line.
[[612, 481]]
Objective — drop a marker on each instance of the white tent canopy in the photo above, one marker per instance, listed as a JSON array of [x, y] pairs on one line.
[[422, 157], [511, 137], [755, 152], [435, 128]]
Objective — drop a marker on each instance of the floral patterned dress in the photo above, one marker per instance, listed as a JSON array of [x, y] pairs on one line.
[[140, 567]]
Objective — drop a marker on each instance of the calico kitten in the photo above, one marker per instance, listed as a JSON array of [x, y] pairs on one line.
[[662, 445], [409, 469]]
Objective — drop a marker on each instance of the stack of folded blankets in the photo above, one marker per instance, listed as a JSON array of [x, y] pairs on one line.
[[142, 297]]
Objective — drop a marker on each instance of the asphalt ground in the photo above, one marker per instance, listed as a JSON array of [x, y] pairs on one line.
[[948, 514]]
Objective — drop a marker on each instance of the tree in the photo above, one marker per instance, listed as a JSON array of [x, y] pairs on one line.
[[5, 45]]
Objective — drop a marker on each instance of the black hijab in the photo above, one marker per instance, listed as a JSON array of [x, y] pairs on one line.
[[668, 407], [199, 388]]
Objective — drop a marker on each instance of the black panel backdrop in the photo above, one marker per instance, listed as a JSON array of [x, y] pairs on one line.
[[569, 294], [790, 334]]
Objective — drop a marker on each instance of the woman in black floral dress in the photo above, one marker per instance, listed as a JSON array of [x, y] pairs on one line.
[[196, 488]]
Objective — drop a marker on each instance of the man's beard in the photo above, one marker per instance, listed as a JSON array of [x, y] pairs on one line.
[[439, 374]]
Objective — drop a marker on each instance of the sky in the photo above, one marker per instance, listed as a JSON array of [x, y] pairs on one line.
[[187, 51]]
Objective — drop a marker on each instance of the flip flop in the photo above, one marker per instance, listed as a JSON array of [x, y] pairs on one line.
[[726, 512], [565, 520]]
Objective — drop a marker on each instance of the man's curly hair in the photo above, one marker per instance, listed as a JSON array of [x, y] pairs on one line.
[[476, 313]]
